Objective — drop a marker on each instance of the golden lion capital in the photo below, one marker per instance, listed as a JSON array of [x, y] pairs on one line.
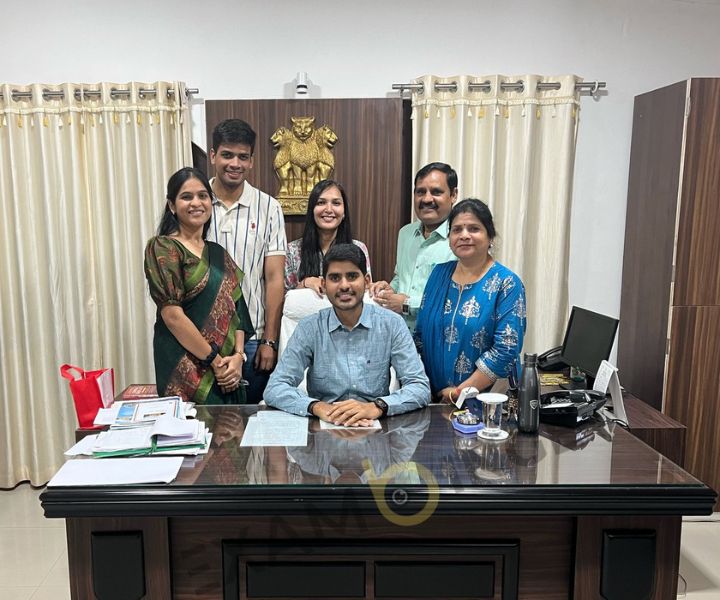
[[304, 157]]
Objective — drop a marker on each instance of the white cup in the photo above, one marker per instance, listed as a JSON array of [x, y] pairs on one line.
[[492, 416]]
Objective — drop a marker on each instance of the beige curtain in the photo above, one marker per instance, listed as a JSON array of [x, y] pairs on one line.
[[514, 150], [82, 181]]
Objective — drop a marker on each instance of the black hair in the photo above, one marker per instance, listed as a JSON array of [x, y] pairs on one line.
[[310, 264], [450, 174], [168, 220], [348, 252], [479, 209], [233, 131]]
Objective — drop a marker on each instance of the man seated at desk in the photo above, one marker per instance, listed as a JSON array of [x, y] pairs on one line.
[[348, 350]]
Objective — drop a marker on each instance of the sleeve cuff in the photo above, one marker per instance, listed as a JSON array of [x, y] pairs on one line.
[[483, 368]]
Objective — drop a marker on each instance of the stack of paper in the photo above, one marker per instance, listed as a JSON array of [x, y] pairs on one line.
[[168, 435], [124, 471], [131, 413], [134, 412]]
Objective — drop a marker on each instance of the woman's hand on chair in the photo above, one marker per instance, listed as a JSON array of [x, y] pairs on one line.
[[314, 283]]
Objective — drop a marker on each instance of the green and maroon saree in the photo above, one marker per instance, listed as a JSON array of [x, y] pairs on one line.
[[208, 290]]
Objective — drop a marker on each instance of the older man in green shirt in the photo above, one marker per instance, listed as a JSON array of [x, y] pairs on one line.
[[421, 244]]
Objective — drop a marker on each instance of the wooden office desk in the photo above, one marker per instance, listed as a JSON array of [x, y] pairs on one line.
[[656, 429], [543, 517]]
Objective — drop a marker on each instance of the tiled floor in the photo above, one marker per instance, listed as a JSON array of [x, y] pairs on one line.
[[33, 556]]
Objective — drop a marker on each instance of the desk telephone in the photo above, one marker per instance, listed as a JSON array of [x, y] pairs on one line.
[[569, 407], [550, 360]]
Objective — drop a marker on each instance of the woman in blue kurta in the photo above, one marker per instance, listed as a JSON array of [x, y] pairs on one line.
[[471, 322]]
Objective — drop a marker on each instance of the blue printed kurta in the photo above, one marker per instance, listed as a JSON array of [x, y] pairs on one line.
[[464, 327]]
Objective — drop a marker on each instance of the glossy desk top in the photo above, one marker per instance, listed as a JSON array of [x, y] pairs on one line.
[[416, 458]]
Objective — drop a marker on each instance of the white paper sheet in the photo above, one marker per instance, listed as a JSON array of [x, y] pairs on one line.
[[117, 471], [326, 425], [607, 380], [84, 446], [275, 428], [105, 383], [133, 438], [107, 416], [605, 372]]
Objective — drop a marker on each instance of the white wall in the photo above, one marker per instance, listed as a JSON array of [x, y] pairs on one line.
[[243, 49]]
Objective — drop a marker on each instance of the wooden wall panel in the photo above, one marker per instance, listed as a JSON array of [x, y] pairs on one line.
[[693, 387], [697, 274], [658, 122], [372, 161]]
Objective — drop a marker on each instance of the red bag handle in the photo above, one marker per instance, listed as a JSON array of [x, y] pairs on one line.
[[65, 372]]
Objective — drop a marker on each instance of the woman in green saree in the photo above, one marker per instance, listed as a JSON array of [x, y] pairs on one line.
[[202, 317]]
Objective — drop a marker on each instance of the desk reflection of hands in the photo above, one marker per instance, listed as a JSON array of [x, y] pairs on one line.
[[339, 455]]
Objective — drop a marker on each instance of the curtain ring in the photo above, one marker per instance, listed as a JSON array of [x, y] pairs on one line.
[[594, 89]]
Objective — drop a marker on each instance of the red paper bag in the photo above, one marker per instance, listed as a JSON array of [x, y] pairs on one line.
[[91, 391]]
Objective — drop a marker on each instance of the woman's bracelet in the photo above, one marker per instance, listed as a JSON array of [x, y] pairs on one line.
[[207, 361]]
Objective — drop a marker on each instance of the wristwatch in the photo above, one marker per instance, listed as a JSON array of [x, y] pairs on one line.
[[207, 361], [271, 343], [406, 307], [382, 405], [241, 353]]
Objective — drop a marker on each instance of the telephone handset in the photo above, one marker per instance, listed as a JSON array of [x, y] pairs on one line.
[[550, 360]]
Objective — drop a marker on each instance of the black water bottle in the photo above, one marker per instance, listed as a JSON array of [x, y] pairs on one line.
[[529, 396]]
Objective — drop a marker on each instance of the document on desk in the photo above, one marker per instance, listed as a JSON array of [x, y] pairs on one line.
[[84, 446], [275, 428], [117, 471], [325, 425]]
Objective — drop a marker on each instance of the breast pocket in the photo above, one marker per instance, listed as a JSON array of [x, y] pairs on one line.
[[377, 377]]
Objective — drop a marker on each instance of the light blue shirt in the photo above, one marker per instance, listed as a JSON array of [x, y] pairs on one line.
[[349, 363], [416, 258]]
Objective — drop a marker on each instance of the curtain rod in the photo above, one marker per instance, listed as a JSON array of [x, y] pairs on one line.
[[518, 86], [81, 94]]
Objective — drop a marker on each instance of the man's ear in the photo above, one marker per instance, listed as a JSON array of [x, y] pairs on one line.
[[212, 156], [454, 195]]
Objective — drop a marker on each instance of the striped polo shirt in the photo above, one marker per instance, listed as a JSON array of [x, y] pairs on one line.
[[250, 230]]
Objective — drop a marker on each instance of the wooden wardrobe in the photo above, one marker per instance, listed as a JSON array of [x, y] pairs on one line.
[[669, 339]]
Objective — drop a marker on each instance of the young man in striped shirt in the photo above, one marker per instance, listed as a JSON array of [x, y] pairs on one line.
[[249, 224]]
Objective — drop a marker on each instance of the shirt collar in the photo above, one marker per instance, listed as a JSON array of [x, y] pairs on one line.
[[244, 199], [365, 319], [443, 231]]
